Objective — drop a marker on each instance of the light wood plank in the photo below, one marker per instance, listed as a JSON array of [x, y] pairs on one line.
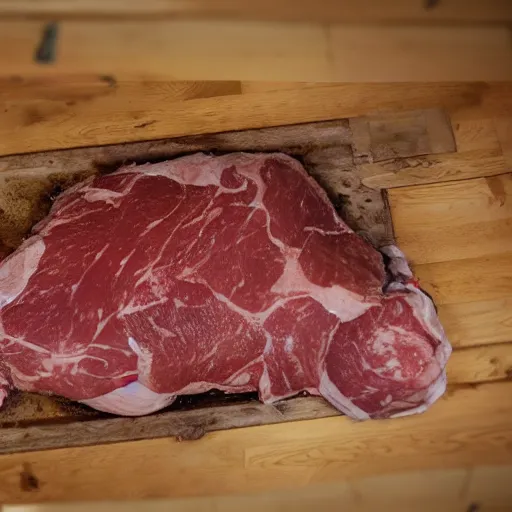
[[468, 280], [17, 91], [462, 201], [252, 50], [475, 134], [140, 116], [289, 10], [469, 426], [477, 323], [182, 50], [420, 53], [459, 220], [428, 169], [442, 490], [480, 364]]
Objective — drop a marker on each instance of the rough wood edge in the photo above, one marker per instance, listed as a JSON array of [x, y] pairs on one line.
[[184, 425]]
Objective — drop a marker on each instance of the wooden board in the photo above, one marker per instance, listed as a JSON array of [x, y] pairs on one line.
[[288, 10], [331, 152], [138, 49], [456, 489]]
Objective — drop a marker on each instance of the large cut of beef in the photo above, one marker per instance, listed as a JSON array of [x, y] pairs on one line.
[[232, 273]]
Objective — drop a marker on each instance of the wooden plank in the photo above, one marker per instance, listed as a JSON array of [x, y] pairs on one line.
[[378, 137], [447, 243], [252, 50], [102, 120], [413, 53], [462, 201], [184, 425], [142, 49], [286, 10], [26, 90], [422, 491], [475, 134], [477, 323], [469, 426], [403, 172], [445, 222], [480, 364], [468, 280]]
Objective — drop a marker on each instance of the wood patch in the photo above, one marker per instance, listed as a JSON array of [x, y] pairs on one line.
[[330, 151], [419, 132]]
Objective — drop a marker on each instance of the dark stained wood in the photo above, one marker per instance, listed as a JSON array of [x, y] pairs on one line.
[[332, 152]]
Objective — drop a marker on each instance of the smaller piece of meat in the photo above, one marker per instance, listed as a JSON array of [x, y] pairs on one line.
[[390, 361]]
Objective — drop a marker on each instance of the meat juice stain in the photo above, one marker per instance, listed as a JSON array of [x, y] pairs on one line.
[[28, 480]]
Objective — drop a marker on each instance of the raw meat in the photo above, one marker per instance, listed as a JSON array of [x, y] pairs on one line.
[[230, 272]]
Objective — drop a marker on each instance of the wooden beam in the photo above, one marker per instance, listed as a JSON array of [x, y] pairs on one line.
[[282, 10]]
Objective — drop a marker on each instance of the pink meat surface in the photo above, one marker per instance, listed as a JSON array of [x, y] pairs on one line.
[[230, 272]]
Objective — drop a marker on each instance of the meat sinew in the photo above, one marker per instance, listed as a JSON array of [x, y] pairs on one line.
[[230, 272]]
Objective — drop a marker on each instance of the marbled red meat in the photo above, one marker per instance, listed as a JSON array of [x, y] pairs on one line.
[[230, 272]]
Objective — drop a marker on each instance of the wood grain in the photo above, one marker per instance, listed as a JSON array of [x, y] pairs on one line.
[[477, 323], [428, 169], [257, 50], [476, 134], [468, 426], [420, 53], [480, 364], [139, 116], [467, 280], [475, 215], [184, 425], [70, 90], [442, 490], [137, 49], [286, 10]]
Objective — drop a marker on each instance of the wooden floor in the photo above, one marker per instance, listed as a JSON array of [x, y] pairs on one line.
[[484, 489], [453, 218]]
